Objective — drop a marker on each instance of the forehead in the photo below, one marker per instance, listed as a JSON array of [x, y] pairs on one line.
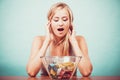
[[61, 13]]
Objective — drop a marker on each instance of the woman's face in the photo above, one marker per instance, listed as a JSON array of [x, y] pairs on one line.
[[60, 22]]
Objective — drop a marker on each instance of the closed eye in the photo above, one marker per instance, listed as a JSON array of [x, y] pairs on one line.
[[65, 19], [56, 20]]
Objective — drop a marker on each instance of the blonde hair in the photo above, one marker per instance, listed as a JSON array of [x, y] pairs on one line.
[[51, 13]]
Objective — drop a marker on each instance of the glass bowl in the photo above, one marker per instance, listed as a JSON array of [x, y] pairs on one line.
[[61, 67]]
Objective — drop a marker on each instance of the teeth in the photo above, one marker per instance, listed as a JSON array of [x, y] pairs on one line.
[[60, 29]]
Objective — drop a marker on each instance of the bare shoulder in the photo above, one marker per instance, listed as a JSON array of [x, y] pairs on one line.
[[82, 44], [38, 40], [80, 38]]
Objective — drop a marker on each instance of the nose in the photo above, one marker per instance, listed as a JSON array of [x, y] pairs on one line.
[[60, 23]]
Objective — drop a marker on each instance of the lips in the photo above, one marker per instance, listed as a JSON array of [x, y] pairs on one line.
[[60, 29]]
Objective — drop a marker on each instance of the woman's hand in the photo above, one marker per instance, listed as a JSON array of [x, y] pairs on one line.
[[49, 34], [72, 35]]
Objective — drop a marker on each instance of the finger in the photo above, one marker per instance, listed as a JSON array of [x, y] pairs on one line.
[[74, 32], [70, 32], [52, 36], [48, 24]]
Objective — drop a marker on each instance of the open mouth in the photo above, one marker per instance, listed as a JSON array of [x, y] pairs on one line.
[[60, 29]]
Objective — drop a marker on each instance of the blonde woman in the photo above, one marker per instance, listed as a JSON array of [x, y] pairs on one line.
[[60, 40]]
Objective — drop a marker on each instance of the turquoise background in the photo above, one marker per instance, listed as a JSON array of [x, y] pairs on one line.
[[97, 20]]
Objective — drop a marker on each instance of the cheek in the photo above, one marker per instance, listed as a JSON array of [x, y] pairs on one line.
[[67, 26], [53, 26]]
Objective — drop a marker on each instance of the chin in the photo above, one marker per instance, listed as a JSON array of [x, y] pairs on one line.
[[61, 35]]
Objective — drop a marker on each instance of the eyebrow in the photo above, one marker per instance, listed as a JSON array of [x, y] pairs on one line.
[[65, 17], [62, 17], [55, 17]]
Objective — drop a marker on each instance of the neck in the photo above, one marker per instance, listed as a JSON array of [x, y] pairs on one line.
[[58, 40]]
